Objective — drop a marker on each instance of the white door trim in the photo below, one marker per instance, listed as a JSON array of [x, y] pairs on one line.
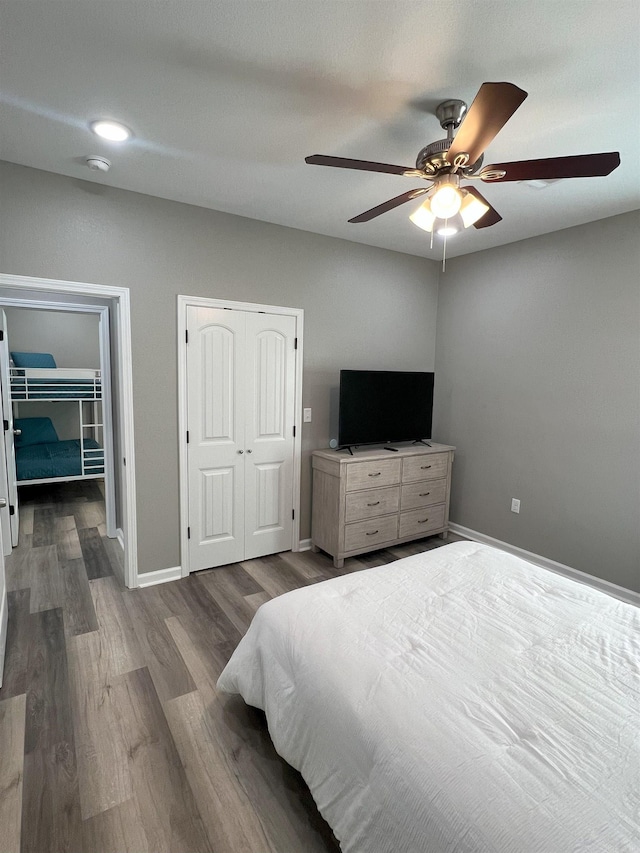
[[123, 366], [202, 301]]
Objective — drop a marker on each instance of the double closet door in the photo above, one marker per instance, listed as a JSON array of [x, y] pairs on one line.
[[240, 417]]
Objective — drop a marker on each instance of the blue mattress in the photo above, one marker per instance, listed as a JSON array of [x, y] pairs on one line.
[[56, 459]]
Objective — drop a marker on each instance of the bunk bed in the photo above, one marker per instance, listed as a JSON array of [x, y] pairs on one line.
[[41, 457]]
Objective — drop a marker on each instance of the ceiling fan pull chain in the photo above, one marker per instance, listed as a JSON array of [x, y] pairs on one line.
[[444, 248]]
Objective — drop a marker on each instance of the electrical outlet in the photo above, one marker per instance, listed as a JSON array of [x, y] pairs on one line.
[[515, 504], [306, 416]]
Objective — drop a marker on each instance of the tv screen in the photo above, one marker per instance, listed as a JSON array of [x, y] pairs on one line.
[[381, 406]]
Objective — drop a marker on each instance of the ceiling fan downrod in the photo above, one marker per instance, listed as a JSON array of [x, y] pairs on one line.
[[432, 158], [450, 114]]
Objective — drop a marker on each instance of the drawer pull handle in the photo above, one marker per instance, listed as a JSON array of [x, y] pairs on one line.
[[424, 467], [373, 533], [374, 504], [377, 474], [423, 521], [424, 494]]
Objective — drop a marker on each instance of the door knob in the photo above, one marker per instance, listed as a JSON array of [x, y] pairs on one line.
[[241, 451], [3, 503], [17, 432]]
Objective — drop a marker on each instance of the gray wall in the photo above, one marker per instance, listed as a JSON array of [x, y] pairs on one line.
[[538, 385], [364, 307], [72, 339]]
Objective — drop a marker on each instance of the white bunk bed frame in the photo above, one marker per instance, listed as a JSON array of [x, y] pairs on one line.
[[59, 385]]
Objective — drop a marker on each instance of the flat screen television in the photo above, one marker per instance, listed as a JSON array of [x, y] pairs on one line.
[[383, 406]]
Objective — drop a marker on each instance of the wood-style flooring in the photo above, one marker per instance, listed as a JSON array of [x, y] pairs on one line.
[[113, 738]]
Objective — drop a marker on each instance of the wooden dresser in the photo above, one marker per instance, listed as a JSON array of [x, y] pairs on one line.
[[377, 498]]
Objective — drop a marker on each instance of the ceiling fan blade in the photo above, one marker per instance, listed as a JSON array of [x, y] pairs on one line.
[[579, 166], [389, 205], [490, 217], [491, 109], [362, 165]]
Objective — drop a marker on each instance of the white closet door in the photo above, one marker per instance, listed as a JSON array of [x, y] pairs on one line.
[[8, 486], [269, 417], [215, 452], [241, 368]]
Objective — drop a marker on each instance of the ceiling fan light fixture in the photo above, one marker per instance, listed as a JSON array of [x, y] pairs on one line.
[[423, 217], [447, 230], [472, 209], [446, 200]]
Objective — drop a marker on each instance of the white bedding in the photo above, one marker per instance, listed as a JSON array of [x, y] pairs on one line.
[[460, 700]]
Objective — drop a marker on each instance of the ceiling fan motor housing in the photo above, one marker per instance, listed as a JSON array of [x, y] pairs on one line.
[[433, 159]]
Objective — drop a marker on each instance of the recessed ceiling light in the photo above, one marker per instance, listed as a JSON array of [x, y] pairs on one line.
[[111, 130]]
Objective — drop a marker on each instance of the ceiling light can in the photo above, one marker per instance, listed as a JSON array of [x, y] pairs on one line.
[[113, 131]]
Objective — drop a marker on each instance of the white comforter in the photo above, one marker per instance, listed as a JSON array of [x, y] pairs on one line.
[[461, 700]]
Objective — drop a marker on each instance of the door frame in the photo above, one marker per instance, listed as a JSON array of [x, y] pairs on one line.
[[204, 302], [105, 362], [125, 467]]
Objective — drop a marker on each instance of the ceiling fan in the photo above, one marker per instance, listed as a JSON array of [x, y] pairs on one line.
[[449, 206]]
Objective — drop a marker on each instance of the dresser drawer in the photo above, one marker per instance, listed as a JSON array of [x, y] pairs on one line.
[[423, 494], [370, 475], [368, 534], [372, 502], [418, 521], [430, 466]]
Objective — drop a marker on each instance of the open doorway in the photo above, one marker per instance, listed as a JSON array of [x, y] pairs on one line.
[[88, 328], [55, 370]]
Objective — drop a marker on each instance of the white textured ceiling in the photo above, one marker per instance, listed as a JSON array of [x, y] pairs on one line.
[[227, 98]]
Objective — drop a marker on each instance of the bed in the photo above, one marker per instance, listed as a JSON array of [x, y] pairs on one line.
[[54, 383], [461, 700], [41, 456]]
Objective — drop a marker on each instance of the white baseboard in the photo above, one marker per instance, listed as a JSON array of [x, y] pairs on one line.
[[160, 576], [304, 545], [613, 589]]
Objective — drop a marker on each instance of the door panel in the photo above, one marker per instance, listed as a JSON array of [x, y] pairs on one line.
[[216, 504], [268, 488], [215, 418], [270, 367], [270, 394], [8, 478], [5, 518], [217, 367], [4, 609]]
